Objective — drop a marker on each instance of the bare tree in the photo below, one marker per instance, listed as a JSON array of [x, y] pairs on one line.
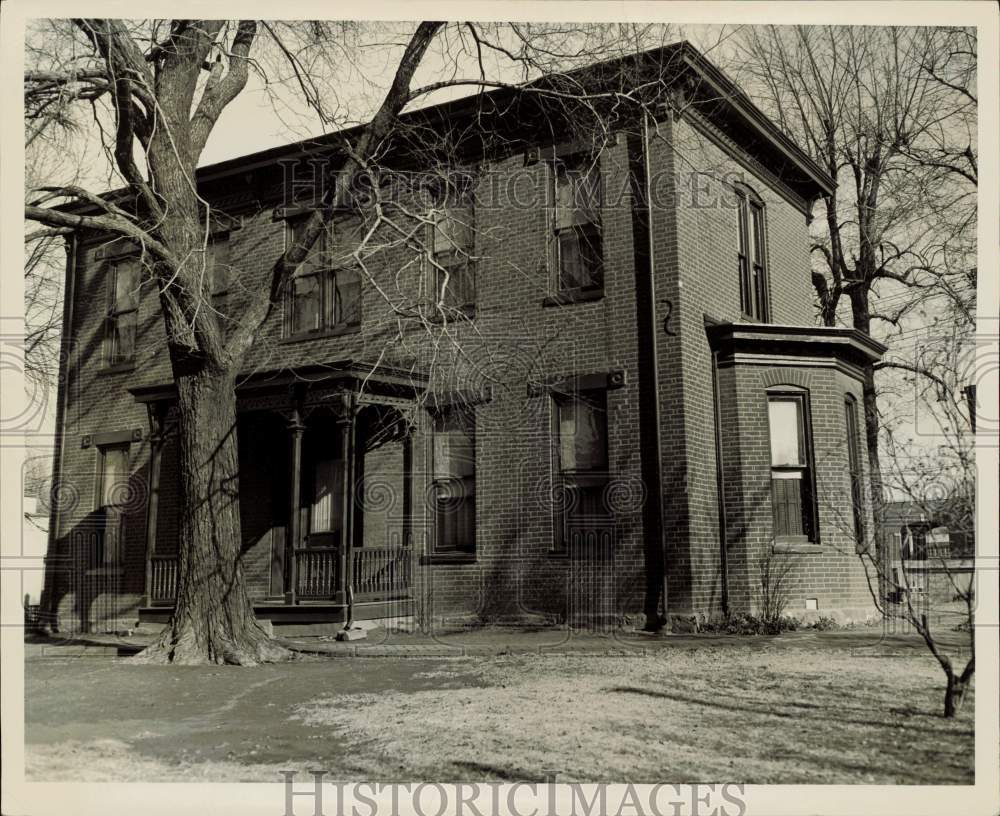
[[164, 85], [165, 110], [937, 486]]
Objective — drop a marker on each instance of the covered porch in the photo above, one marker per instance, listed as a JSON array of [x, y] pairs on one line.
[[326, 494]]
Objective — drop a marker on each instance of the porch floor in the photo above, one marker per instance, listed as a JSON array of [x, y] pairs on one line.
[[304, 613]]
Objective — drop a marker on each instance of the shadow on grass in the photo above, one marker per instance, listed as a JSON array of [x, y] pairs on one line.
[[506, 774], [125, 648], [823, 713]]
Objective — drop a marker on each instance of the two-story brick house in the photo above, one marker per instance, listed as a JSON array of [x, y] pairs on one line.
[[583, 376]]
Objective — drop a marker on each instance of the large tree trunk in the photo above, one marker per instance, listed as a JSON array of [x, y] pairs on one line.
[[213, 621]]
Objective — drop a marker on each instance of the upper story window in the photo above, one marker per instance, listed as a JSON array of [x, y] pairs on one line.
[[792, 493], [582, 433], [321, 297], [578, 252], [454, 484], [122, 312], [752, 267], [451, 268]]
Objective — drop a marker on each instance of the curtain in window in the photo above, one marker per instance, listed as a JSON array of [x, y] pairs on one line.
[[454, 458], [328, 490], [582, 433], [112, 493]]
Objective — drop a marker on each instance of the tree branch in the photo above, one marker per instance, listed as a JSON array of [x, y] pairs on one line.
[[221, 90], [106, 223], [338, 193]]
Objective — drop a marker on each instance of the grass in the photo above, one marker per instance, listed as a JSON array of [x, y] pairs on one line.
[[738, 713]]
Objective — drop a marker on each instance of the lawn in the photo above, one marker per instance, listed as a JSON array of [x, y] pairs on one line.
[[813, 709]]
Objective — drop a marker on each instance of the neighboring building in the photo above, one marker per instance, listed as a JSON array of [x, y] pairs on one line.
[[618, 366], [931, 549]]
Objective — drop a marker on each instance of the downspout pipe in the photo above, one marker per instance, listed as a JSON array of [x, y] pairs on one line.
[[720, 485], [649, 382]]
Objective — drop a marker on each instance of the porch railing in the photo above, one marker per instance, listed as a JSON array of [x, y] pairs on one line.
[[383, 572], [318, 572], [379, 572], [162, 578]]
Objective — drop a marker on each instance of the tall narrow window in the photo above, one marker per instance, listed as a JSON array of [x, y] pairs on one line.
[[112, 493], [321, 297], [451, 283], [454, 487], [791, 477], [854, 464], [578, 250], [753, 275], [582, 433], [326, 506], [123, 309]]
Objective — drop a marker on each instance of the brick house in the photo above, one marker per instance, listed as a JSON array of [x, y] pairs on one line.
[[619, 393]]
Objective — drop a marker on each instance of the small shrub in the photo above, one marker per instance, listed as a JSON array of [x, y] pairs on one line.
[[824, 623], [744, 624], [774, 589]]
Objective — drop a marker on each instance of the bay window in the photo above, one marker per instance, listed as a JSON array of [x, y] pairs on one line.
[[792, 494], [854, 466]]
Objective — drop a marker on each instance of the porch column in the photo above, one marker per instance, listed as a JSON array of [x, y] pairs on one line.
[[296, 428], [346, 425], [157, 419]]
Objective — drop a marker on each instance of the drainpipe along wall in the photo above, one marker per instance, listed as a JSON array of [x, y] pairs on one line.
[[720, 485], [651, 460]]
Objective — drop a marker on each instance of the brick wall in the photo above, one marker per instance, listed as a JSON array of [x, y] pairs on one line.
[[515, 339]]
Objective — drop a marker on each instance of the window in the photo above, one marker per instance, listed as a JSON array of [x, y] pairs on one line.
[[112, 493], [123, 310], [753, 277], [854, 465], [577, 247], [451, 281], [582, 433], [791, 476], [327, 493], [454, 484], [321, 297]]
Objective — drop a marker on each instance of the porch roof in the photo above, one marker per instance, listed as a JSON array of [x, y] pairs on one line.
[[375, 376]]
